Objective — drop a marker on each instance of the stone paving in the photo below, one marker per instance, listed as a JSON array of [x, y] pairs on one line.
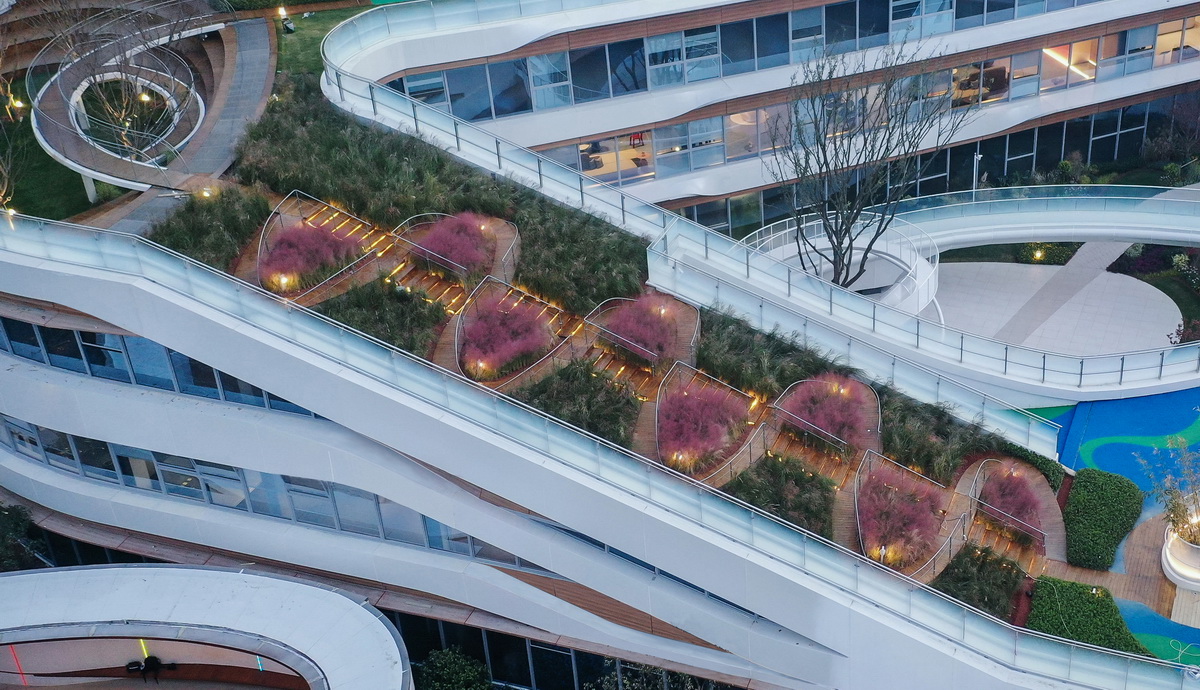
[[1077, 309]]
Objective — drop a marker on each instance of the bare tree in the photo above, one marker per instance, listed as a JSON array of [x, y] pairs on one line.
[[13, 146], [851, 139]]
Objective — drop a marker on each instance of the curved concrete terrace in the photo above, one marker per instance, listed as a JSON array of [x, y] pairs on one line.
[[333, 639]]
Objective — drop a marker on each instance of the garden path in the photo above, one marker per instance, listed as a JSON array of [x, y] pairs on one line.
[[1143, 579]]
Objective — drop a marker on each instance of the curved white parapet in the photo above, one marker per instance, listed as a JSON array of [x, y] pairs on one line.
[[332, 639], [1181, 562]]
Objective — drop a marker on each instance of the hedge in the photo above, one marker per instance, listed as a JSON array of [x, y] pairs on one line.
[[980, 577], [1083, 613], [1101, 510]]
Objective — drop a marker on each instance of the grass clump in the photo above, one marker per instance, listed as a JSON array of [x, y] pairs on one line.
[[898, 517], [980, 577], [1100, 511], [213, 230], [1081, 612], [589, 399], [747, 359], [928, 437], [788, 489], [567, 256], [408, 320], [695, 423]]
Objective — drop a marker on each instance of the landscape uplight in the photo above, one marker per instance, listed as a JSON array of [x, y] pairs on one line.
[[283, 12], [144, 97]]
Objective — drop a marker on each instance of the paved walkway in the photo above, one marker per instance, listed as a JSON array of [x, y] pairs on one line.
[[1078, 309]]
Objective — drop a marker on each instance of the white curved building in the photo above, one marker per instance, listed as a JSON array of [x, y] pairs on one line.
[[157, 407]]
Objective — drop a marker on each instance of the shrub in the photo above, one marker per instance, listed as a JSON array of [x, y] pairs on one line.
[[896, 512], [1008, 490], [832, 403], [981, 578], [451, 669], [695, 423], [1155, 258], [305, 255], [589, 399], [567, 256], [1101, 510], [788, 489], [750, 360], [460, 239], [500, 338], [646, 322], [1048, 253], [1081, 612], [928, 437], [16, 545], [408, 320], [213, 230]]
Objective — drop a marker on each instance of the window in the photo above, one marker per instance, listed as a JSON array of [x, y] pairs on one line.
[[468, 90], [589, 74], [808, 32], [137, 468], [1083, 62], [96, 459], [599, 159], [401, 523], [151, 366], [627, 66], [62, 349], [1054, 67], [446, 538], [310, 499], [195, 378], [872, 23], [23, 339], [429, 88], [967, 85], [701, 53], [278, 403], [841, 26], [737, 47], [633, 156], [551, 80], [268, 494], [1127, 52], [665, 55], [223, 484], [995, 80], [105, 358], [179, 476], [58, 449], [238, 391], [510, 87], [968, 14], [771, 40], [741, 135], [1000, 11], [23, 438], [1025, 68], [356, 510]]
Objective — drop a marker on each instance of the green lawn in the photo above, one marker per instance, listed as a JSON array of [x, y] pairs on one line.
[[44, 187], [999, 253], [301, 52]]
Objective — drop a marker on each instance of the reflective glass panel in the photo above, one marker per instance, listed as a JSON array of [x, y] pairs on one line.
[[238, 391], [23, 339], [841, 26], [151, 367], [1054, 67], [737, 47], [356, 510], [228, 493], [268, 494], [468, 89], [589, 74], [195, 378], [104, 356], [96, 460], [137, 468], [401, 523], [627, 66], [771, 40], [427, 88], [63, 349], [510, 87], [58, 449]]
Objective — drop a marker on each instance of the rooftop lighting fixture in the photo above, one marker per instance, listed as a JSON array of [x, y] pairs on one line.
[[144, 97], [283, 12]]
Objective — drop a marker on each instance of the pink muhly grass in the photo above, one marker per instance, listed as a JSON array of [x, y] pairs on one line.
[[898, 512], [1009, 490], [833, 404], [301, 249], [647, 322], [696, 422], [460, 239], [498, 334]]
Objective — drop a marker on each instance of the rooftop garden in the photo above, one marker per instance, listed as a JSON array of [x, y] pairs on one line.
[[898, 518], [589, 399], [502, 331], [980, 577], [832, 403], [698, 420], [1082, 612], [300, 256], [788, 488]]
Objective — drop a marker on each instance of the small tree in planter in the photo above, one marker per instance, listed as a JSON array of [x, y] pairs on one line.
[[696, 422], [464, 239], [832, 403], [1008, 494], [452, 669], [502, 334], [1175, 484], [648, 322], [301, 256], [897, 518]]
